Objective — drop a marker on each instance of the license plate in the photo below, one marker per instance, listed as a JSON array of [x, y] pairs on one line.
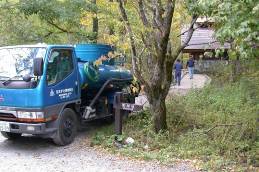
[[4, 126]]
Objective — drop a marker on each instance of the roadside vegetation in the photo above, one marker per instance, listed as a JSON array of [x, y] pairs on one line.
[[215, 128]]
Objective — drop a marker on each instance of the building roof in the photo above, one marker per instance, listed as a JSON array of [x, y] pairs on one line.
[[202, 39]]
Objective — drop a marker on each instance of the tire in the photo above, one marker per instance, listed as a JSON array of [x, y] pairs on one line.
[[11, 136], [67, 128]]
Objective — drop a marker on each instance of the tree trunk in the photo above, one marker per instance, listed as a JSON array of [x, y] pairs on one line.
[[153, 65], [158, 111], [236, 69], [95, 24]]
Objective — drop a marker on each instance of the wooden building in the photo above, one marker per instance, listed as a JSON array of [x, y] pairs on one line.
[[203, 44]]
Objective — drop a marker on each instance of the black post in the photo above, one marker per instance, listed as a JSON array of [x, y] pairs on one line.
[[118, 113]]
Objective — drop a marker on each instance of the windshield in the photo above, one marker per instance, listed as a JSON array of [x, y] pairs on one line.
[[18, 61]]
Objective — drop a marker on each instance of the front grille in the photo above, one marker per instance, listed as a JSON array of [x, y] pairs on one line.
[[7, 117]]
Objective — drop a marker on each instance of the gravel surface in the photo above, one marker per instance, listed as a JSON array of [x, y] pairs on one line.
[[187, 84], [199, 81], [31, 154]]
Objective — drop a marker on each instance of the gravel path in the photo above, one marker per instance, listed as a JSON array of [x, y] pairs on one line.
[[199, 81], [187, 84], [31, 154]]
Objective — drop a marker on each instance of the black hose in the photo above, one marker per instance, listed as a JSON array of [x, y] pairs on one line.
[[103, 87]]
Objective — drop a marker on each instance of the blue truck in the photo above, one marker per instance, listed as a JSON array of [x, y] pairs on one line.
[[52, 90]]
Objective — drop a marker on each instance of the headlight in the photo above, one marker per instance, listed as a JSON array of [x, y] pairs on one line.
[[30, 115]]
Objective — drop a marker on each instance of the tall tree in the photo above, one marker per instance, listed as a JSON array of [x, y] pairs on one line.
[[63, 17], [153, 54]]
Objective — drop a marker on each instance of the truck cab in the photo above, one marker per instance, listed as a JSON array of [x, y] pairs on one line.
[[46, 90]]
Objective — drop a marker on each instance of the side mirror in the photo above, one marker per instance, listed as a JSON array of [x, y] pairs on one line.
[[27, 78], [38, 67]]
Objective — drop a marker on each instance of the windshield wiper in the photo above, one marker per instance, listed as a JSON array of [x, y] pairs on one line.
[[16, 76], [10, 79]]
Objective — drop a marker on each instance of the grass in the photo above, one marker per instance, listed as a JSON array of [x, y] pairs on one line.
[[216, 127]]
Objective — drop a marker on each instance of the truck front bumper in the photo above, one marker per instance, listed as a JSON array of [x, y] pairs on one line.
[[28, 128]]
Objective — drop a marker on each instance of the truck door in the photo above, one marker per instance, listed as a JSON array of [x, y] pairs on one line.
[[62, 76]]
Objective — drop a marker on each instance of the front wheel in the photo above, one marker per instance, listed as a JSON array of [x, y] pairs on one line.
[[67, 128], [11, 136]]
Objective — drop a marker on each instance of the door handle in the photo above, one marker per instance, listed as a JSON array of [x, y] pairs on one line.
[[76, 87]]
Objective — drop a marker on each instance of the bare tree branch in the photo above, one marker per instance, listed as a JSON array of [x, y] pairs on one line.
[[217, 126], [168, 22], [58, 27], [142, 13], [194, 28], [48, 34], [158, 13], [163, 42], [188, 37], [169, 12], [128, 27], [190, 32], [135, 66]]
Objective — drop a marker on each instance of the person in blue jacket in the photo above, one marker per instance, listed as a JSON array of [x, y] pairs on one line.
[[178, 71], [190, 66]]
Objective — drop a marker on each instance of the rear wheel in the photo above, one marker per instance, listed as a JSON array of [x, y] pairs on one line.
[[67, 128], [11, 136]]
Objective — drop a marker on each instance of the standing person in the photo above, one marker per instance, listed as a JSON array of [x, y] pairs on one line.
[[178, 72], [190, 66]]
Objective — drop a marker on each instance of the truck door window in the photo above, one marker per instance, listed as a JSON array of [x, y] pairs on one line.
[[60, 65]]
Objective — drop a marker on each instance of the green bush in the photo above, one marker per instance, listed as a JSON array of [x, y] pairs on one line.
[[219, 121]]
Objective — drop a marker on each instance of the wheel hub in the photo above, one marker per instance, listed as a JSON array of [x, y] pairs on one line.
[[68, 127]]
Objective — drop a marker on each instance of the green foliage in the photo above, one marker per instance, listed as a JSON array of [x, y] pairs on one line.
[[33, 21], [216, 126], [61, 16], [236, 22], [16, 28]]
